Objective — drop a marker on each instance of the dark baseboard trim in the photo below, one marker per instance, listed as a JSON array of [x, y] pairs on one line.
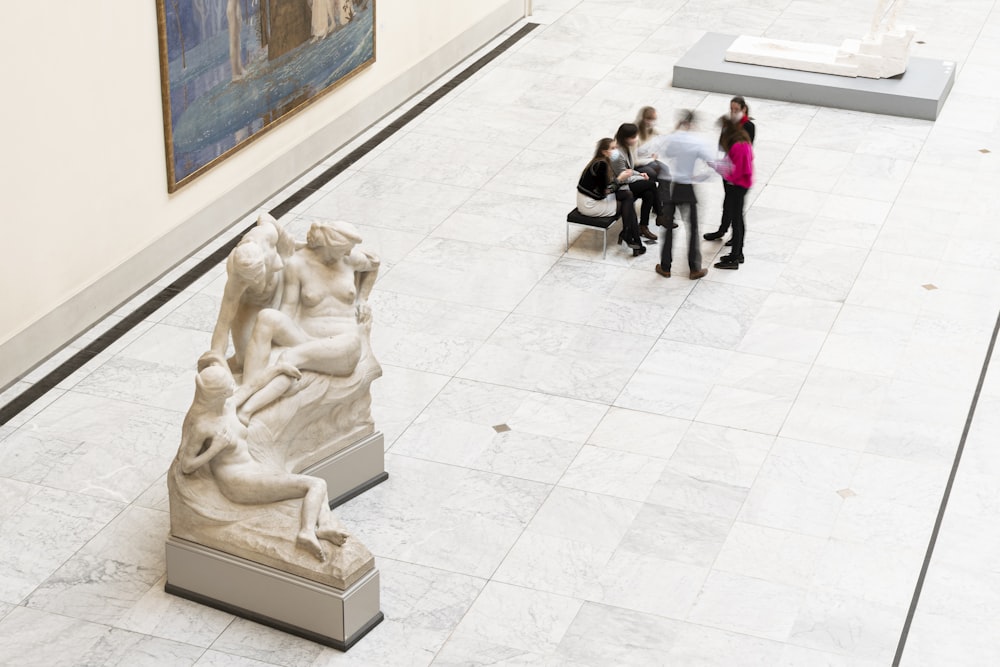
[[358, 490]]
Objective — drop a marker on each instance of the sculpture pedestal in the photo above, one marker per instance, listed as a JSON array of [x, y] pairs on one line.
[[918, 93], [352, 470], [293, 604]]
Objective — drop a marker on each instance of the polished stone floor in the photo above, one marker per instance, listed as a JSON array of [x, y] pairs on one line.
[[592, 465]]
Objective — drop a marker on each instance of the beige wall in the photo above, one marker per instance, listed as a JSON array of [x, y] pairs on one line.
[[88, 218]]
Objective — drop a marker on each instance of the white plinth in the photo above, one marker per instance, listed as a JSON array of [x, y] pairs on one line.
[[803, 56], [918, 93], [352, 470], [327, 615]]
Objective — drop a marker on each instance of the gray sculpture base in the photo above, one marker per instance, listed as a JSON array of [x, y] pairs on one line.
[[353, 470], [919, 92], [299, 606]]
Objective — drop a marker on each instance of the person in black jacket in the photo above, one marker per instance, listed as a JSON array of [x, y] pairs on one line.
[[599, 193]]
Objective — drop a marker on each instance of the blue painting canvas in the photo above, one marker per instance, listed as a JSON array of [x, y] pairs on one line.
[[231, 69]]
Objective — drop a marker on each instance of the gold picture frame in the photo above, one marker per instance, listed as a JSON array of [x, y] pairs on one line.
[[230, 70]]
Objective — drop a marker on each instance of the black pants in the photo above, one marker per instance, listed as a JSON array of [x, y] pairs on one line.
[[732, 212], [724, 223], [657, 171], [682, 194], [645, 190], [626, 209]]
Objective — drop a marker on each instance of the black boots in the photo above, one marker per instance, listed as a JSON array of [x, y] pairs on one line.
[[729, 262]]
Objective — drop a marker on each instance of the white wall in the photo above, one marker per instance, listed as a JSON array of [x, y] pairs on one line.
[[88, 219]]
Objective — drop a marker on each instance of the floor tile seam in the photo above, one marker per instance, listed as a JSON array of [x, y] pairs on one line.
[[732, 350], [617, 606], [75, 619], [652, 347], [939, 519], [854, 281], [459, 211], [794, 401], [420, 413], [749, 487], [681, 622], [513, 313], [458, 624], [44, 485], [579, 325], [896, 202], [432, 93], [125, 507], [458, 466], [810, 588], [76, 389], [429, 458], [513, 543], [526, 147]]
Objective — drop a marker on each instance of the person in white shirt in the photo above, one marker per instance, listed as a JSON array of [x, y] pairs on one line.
[[682, 150]]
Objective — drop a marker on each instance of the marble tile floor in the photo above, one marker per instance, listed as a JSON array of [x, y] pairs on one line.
[[591, 465]]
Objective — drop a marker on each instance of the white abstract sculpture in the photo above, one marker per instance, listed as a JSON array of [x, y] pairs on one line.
[[882, 53], [301, 331]]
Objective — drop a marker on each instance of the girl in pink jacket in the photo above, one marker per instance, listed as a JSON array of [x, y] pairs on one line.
[[737, 171]]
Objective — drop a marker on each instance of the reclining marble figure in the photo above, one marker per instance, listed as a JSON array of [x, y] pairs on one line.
[[880, 54], [304, 326]]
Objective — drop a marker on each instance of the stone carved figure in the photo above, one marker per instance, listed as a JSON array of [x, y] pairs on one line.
[[882, 53], [253, 282], [324, 308], [213, 436], [301, 327]]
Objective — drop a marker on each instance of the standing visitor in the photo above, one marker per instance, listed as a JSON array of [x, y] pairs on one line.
[[737, 171]]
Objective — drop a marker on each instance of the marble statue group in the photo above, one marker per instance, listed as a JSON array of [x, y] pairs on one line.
[[296, 387]]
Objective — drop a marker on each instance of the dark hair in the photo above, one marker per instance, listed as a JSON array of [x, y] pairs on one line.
[[732, 133], [743, 104], [685, 117], [626, 131], [602, 145]]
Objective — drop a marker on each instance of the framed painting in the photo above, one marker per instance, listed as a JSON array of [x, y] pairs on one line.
[[232, 69]]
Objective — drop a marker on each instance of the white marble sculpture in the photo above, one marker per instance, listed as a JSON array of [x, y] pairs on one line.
[[303, 366], [254, 273], [880, 54]]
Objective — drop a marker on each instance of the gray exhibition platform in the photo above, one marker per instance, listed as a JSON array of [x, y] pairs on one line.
[[919, 92]]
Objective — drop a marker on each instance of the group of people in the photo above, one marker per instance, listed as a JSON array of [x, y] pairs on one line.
[[659, 170]]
